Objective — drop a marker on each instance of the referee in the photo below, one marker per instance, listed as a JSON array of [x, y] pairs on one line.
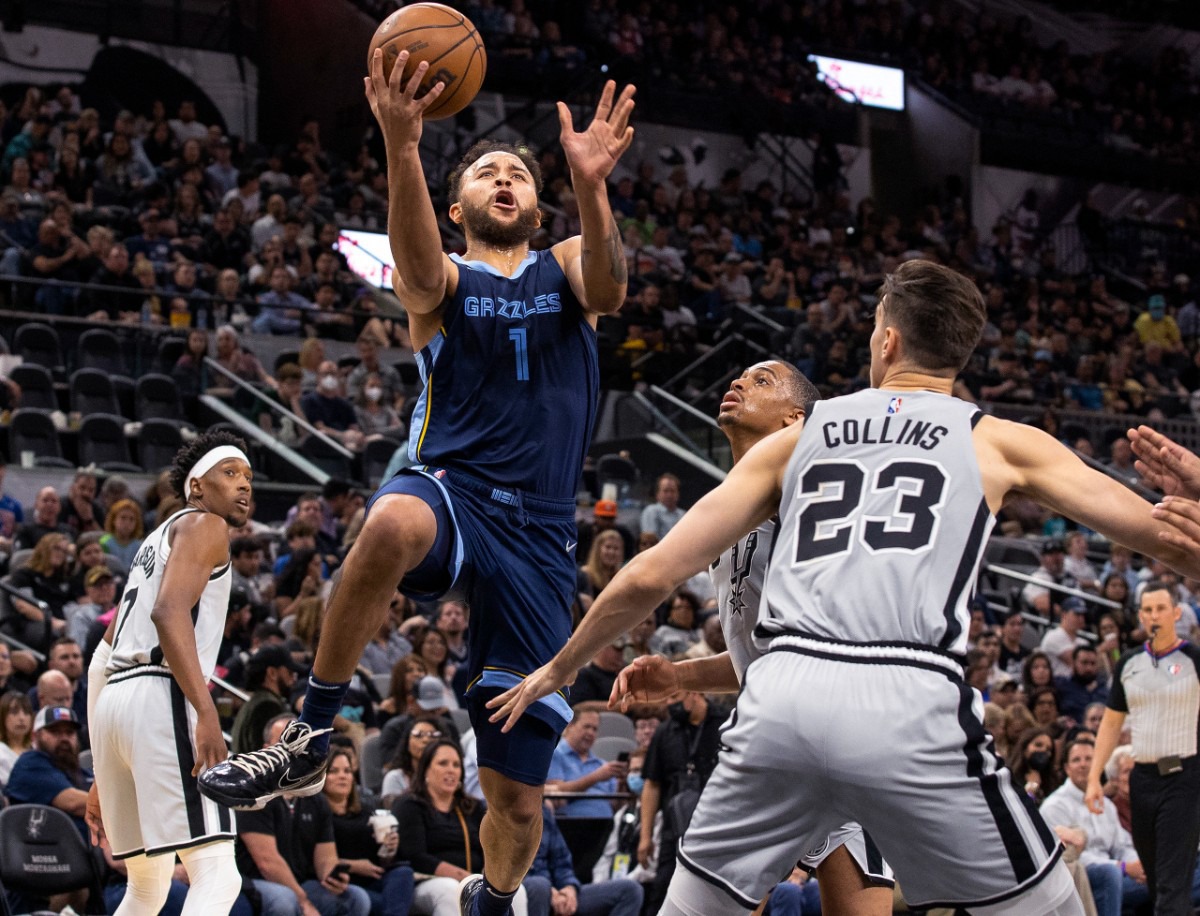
[[1158, 687]]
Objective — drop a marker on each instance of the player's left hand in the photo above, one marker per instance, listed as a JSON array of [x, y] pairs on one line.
[[511, 704], [210, 743], [1164, 463], [92, 816], [593, 153]]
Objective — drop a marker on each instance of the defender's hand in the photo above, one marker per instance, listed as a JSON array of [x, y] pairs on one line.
[[1165, 464], [648, 679]]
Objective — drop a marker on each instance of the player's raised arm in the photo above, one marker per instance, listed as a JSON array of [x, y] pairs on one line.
[[595, 260], [420, 275], [199, 544], [1039, 466], [747, 498]]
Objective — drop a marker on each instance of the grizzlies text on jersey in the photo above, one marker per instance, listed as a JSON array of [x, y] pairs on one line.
[[511, 380]]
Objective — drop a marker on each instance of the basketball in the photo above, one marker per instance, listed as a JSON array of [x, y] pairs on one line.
[[447, 40]]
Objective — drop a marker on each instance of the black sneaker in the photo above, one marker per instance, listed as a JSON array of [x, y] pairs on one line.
[[246, 782], [470, 889]]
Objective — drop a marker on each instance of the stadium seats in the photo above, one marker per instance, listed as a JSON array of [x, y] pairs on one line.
[[102, 442], [370, 764], [332, 462], [156, 397], [101, 349], [170, 348], [39, 343], [376, 457], [615, 725], [42, 853], [32, 430], [611, 747], [158, 442], [92, 392], [616, 469], [37, 386]]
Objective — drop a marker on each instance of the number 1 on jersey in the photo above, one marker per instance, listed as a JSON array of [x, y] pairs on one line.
[[518, 337]]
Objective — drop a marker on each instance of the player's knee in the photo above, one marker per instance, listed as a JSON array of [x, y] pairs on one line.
[[399, 527]]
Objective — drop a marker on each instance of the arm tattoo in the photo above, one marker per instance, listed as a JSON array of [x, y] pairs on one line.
[[616, 255]]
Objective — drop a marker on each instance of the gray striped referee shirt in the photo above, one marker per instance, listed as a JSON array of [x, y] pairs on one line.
[[1161, 695]]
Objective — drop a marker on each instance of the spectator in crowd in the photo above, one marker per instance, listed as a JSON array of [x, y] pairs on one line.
[[712, 639], [123, 531], [574, 768], [43, 520], [552, 887], [620, 856], [376, 416], [281, 311], [49, 772], [662, 514], [1050, 570], [190, 373], [1043, 702], [1115, 874], [451, 622], [100, 596], [441, 836], [1083, 688], [65, 657], [386, 648], [373, 865], [328, 410], [44, 578], [288, 852], [1060, 642], [595, 681], [401, 769], [605, 557], [12, 515], [369, 364], [16, 729], [264, 634], [679, 632], [289, 395], [270, 674], [299, 581], [246, 557], [13, 678], [687, 741], [402, 699], [1076, 563], [1012, 652], [82, 512], [604, 518], [1033, 764], [432, 649]]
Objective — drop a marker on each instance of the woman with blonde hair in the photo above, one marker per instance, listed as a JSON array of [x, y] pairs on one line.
[[604, 560], [46, 576], [310, 613], [312, 354], [123, 531]]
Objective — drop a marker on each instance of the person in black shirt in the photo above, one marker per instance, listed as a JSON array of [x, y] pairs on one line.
[[595, 682], [112, 304], [373, 865], [288, 852]]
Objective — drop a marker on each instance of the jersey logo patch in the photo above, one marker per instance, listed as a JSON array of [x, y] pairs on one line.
[[1174, 669], [894, 405], [571, 545], [740, 572]]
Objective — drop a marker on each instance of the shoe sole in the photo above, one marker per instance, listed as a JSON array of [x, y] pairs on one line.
[[465, 895], [239, 803]]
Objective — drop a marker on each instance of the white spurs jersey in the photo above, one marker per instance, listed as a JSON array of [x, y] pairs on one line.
[[135, 640], [738, 576], [883, 523]]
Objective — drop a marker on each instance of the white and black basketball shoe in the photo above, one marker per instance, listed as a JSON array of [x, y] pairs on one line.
[[246, 782]]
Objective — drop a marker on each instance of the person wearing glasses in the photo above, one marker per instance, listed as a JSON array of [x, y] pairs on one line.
[[421, 731]]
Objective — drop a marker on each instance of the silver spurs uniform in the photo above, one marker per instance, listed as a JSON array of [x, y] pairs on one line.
[[858, 710], [738, 576], [142, 739]]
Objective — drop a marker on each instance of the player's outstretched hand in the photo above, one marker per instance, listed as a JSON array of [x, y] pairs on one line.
[[395, 106], [648, 679], [92, 817], [511, 704], [1094, 798], [210, 743], [1183, 515], [593, 153], [1165, 464]]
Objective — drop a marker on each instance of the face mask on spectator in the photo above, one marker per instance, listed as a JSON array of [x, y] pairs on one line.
[[635, 783], [329, 383], [1039, 760], [374, 394]]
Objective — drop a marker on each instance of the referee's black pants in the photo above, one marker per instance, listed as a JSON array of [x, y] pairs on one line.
[[1165, 817]]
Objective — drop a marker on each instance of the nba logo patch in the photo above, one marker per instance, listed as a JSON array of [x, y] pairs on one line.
[[439, 474], [894, 405], [1174, 669]]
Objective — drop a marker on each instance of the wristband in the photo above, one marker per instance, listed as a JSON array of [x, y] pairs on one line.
[[1123, 872]]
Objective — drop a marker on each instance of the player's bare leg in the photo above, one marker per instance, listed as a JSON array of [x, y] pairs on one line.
[[511, 829], [399, 532], [845, 890]]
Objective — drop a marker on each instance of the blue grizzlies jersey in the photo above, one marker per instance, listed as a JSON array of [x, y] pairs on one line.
[[511, 380]]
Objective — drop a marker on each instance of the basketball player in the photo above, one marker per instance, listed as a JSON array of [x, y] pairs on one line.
[[507, 350], [767, 397], [858, 710], [154, 726]]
